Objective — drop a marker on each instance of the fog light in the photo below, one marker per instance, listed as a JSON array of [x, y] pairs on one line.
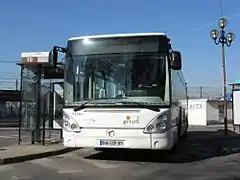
[[66, 123], [156, 144], [73, 126], [111, 133]]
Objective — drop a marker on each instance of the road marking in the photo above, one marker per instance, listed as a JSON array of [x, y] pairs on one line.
[[71, 171], [87, 149], [21, 136], [19, 177], [99, 164], [16, 135], [7, 137]]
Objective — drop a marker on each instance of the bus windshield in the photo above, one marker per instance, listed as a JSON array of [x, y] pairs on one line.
[[110, 70], [111, 77]]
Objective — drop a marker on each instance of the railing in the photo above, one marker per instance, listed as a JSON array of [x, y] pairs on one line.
[[208, 92]]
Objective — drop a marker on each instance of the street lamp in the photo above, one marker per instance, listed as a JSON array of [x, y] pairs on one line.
[[223, 38]]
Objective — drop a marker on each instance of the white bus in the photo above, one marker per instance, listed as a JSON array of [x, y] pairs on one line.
[[123, 91]]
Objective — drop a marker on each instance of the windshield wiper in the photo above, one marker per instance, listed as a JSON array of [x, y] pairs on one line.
[[78, 108], [153, 108]]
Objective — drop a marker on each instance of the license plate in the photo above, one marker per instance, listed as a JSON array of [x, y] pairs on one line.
[[117, 143]]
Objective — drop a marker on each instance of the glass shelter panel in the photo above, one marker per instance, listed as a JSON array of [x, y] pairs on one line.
[[28, 98]]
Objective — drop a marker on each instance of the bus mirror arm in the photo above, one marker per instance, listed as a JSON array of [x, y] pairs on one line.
[[53, 55]]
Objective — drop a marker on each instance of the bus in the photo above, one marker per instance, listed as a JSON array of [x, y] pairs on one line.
[[123, 91]]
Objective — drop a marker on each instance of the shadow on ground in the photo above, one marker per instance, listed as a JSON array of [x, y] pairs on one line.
[[197, 146]]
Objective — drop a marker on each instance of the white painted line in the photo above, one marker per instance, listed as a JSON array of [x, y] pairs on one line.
[[7, 137], [19, 177], [15, 135], [87, 149], [45, 162], [72, 171], [99, 164]]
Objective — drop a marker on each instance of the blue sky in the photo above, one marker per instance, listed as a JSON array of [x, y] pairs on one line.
[[37, 25]]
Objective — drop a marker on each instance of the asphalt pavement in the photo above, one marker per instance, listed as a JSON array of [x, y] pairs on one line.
[[9, 136], [202, 155], [82, 165]]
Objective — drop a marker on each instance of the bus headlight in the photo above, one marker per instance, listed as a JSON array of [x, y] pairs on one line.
[[69, 124], [65, 117], [66, 123], [150, 128], [160, 124]]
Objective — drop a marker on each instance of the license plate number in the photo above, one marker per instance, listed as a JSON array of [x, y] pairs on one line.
[[117, 143]]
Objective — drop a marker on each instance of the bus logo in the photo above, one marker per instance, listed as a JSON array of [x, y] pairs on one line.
[[128, 120]]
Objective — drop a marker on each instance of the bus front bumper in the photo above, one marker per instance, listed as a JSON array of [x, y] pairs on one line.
[[118, 138]]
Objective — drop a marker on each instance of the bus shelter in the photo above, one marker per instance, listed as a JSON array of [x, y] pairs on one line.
[[38, 77]]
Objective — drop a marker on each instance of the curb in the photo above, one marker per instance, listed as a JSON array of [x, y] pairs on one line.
[[28, 157]]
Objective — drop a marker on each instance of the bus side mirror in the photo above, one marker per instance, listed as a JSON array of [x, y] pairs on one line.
[[53, 57], [176, 62]]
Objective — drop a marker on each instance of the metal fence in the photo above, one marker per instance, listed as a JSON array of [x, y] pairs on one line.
[[208, 92]]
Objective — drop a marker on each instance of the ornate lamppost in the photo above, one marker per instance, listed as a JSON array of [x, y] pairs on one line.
[[223, 38]]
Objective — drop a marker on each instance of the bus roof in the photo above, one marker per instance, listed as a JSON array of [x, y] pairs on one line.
[[118, 35]]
